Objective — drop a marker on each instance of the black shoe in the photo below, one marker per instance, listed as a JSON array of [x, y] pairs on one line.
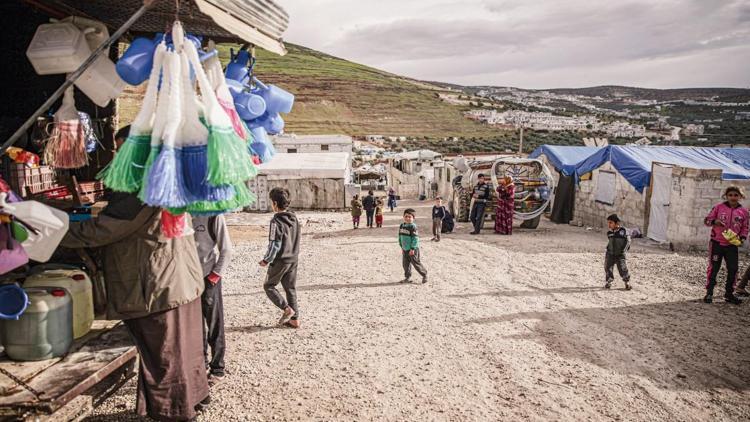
[[406, 280], [203, 405], [474, 233], [734, 300], [709, 298], [424, 279]]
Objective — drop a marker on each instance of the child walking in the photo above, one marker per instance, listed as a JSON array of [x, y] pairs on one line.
[[379, 212], [282, 256], [438, 215], [729, 229], [617, 247], [356, 211], [408, 240], [211, 235]]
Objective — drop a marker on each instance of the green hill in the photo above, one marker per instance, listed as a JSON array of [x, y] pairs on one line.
[[338, 96]]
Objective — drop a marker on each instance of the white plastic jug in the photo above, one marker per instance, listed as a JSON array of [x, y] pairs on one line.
[[78, 284], [57, 48], [100, 82], [51, 223]]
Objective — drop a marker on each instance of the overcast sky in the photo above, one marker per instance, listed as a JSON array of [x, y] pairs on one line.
[[536, 43]]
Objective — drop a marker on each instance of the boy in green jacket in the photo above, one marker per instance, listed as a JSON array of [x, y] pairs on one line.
[[408, 239]]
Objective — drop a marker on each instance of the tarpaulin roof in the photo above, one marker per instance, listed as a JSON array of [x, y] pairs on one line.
[[635, 162], [566, 159]]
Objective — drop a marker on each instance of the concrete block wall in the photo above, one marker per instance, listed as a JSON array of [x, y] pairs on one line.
[[405, 185], [694, 193], [629, 204], [314, 194]]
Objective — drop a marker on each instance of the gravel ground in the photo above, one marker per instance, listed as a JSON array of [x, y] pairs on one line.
[[509, 328]]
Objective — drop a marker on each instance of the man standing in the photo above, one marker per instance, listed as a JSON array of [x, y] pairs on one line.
[[481, 196], [212, 236], [368, 203]]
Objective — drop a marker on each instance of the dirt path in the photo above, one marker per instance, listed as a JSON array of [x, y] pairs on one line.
[[509, 328]]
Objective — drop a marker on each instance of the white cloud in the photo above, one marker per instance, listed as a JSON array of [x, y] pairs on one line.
[[536, 44]]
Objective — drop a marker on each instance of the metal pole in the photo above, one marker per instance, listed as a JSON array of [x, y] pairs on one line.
[[75, 75]]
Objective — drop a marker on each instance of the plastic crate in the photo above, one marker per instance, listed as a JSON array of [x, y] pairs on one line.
[[90, 192], [25, 180]]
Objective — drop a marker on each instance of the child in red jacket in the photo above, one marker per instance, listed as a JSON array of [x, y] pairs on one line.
[[729, 222]]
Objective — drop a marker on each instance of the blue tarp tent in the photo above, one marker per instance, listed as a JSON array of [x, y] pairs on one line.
[[566, 159]]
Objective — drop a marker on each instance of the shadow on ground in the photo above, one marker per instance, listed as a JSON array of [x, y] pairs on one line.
[[679, 345]]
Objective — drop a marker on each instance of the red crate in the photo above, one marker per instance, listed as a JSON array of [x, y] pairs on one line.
[[35, 179]]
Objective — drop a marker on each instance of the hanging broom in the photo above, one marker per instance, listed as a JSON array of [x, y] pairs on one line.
[[228, 159], [166, 184], [125, 172], [66, 147], [193, 143]]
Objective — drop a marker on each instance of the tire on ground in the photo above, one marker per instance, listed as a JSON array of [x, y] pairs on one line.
[[531, 224]]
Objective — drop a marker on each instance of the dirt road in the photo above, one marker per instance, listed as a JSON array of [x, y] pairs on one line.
[[509, 328]]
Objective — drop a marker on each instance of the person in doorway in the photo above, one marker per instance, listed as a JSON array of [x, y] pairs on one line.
[[391, 199], [438, 215], [379, 212], [481, 195], [729, 228], [618, 245], [506, 199], [154, 285], [356, 211], [368, 203], [214, 252], [408, 240], [282, 257]]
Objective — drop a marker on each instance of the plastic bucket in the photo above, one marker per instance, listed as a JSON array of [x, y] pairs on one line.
[[134, 67], [13, 301], [277, 99], [273, 123], [249, 106], [261, 145]]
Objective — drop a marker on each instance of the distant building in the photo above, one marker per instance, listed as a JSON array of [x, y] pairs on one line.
[[691, 129], [293, 144]]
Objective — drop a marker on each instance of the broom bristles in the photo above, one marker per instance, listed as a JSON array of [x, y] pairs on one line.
[[228, 160], [152, 154], [166, 185], [195, 168], [125, 172], [242, 198]]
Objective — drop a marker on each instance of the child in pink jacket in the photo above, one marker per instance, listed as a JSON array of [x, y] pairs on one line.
[[728, 215]]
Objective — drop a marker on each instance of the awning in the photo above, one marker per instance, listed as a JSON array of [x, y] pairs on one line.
[[259, 22], [566, 159]]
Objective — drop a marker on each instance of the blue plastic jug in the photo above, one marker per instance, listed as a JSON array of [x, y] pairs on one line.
[[261, 145], [13, 301], [237, 68], [277, 99], [134, 67], [273, 123]]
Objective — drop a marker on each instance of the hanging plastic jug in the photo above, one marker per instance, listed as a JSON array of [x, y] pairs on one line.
[[237, 68], [249, 106], [51, 225], [277, 99], [273, 123], [134, 67], [262, 145]]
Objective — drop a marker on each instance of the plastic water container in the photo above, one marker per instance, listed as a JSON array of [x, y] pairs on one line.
[[51, 223], [45, 329], [134, 67], [237, 67], [57, 48], [273, 123], [249, 106], [78, 284], [277, 99], [13, 301], [100, 82], [261, 145]]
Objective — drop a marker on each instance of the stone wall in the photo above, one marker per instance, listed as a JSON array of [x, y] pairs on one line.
[[694, 193], [629, 204], [306, 194], [405, 185]]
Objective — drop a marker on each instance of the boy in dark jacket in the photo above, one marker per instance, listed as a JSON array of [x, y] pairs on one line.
[[618, 245], [438, 215], [408, 240], [282, 256]]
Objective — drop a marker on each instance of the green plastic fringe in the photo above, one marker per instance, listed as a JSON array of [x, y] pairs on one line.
[[229, 162], [125, 172]]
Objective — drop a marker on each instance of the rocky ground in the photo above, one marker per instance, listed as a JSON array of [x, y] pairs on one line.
[[508, 328]]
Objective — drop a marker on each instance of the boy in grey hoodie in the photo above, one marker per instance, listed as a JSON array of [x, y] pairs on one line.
[[211, 236], [282, 256]]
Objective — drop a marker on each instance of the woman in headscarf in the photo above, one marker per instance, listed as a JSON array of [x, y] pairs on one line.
[[154, 284], [505, 206]]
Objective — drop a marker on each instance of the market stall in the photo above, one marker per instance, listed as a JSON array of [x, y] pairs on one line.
[[193, 148]]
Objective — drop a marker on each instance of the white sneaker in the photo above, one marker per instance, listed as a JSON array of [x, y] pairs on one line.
[[286, 316]]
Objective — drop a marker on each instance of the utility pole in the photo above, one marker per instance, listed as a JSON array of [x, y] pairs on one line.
[[520, 142]]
